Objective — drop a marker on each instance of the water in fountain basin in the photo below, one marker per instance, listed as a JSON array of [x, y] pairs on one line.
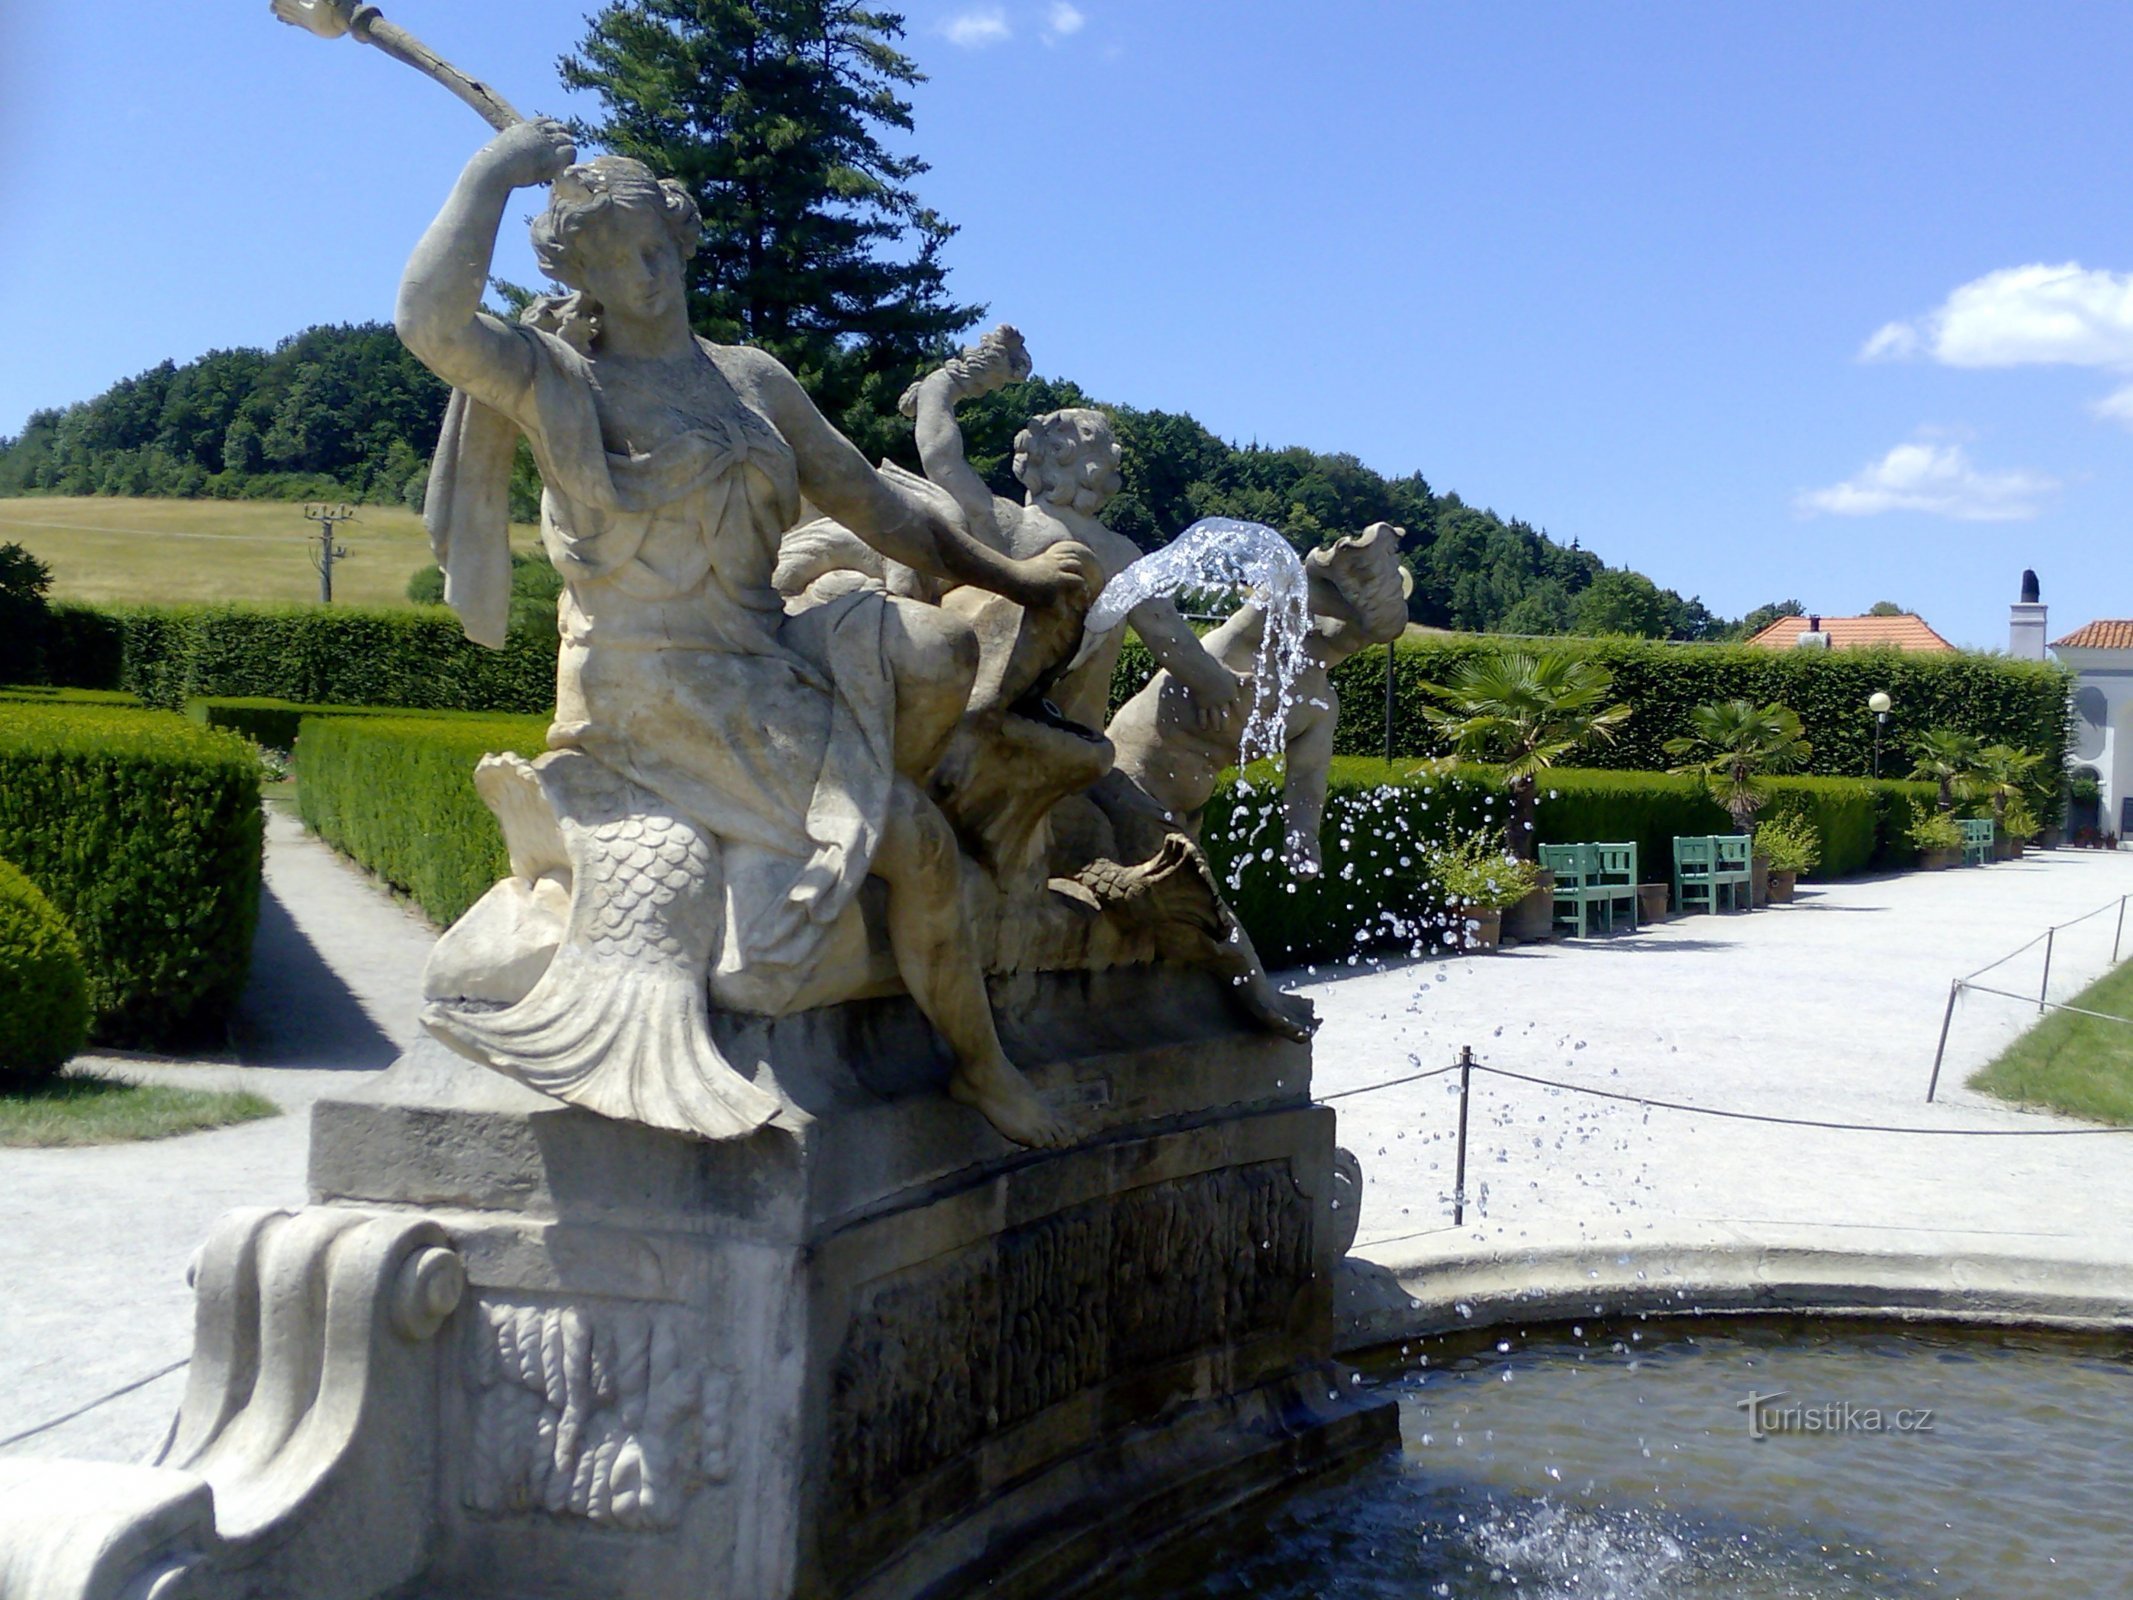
[[1250, 557]]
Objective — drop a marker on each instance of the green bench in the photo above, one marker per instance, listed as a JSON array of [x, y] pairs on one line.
[[1710, 866], [1977, 840], [1591, 880]]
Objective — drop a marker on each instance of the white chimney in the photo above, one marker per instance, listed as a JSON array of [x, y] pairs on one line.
[[2025, 623]]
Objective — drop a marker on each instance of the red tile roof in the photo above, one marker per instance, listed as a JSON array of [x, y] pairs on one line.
[[2101, 636], [1906, 631]]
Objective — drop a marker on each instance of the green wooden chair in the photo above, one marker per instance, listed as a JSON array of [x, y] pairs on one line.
[[1977, 840], [1591, 881], [1617, 880], [1708, 868]]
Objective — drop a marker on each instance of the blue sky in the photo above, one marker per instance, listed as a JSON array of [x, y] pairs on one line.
[[1829, 302]]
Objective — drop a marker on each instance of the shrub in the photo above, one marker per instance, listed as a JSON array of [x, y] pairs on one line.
[[145, 831], [2019, 703], [1936, 830], [1384, 819], [312, 655], [1479, 870], [272, 724], [44, 995], [84, 647], [25, 617], [1846, 815], [2020, 822], [1789, 844], [397, 794]]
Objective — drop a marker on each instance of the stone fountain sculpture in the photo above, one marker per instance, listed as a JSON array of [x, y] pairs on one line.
[[856, 1153]]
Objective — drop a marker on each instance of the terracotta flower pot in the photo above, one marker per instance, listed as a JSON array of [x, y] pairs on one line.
[[1758, 881], [1938, 860], [1481, 928], [1782, 881], [1533, 917], [1651, 902], [2015, 847]]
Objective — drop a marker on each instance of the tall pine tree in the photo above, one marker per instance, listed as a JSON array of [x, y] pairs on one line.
[[815, 246]]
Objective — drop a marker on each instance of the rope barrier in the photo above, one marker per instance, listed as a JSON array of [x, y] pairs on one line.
[[1799, 1122], [1389, 1083]]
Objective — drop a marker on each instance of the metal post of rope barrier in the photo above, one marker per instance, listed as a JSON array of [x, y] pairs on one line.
[[1466, 1082], [1941, 1049], [2120, 930], [2045, 987]]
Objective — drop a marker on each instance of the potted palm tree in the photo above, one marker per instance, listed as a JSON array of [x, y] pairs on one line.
[[1734, 746], [2021, 826], [1477, 878], [2002, 776], [1522, 712], [1949, 760]]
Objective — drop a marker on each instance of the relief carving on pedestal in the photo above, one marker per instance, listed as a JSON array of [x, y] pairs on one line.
[[606, 1412], [967, 1344]]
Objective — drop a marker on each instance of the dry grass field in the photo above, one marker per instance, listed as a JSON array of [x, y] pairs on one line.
[[154, 551]]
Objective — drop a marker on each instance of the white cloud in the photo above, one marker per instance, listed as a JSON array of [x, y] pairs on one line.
[[1064, 18], [2036, 315], [2117, 406], [1936, 478], [976, 29]]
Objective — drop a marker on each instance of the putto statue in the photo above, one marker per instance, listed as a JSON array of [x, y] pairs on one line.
[[1174, 754]]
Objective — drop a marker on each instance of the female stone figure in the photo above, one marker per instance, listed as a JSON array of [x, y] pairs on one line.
[[723, 775]]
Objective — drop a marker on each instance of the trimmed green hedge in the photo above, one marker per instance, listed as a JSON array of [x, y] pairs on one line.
[[407, 658], [1373, 892], [145, 831], [44, 994], [274, 723], [417, 659], [2002, 701], [397, 794]]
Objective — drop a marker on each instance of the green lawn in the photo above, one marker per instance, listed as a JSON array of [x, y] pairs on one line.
[[2082, 1066], [116, 549], [83, 1108]]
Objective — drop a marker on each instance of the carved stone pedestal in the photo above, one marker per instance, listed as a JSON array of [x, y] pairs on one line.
[[872, 1351]]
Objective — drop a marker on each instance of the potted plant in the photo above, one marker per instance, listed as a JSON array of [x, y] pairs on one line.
[[2003, 775], [1950, 760], [2020, 825], [1937, 839], [1733, 746], [1522, 712], [1792, 846], [1477, 877]]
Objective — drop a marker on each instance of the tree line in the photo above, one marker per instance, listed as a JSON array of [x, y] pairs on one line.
[[816, 247]]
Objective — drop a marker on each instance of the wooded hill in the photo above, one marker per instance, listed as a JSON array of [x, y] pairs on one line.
[[344, 412]]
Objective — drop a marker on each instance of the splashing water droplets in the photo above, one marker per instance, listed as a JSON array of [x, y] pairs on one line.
[[1254, 560]]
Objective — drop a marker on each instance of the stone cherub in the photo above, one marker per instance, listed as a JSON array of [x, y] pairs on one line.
[[725, 771], [1068, 464], [1358, 597]]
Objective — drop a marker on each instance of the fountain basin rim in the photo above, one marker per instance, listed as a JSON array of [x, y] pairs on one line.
[[1387, 1294]]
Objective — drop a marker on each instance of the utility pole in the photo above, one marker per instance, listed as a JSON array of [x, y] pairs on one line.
[[325, 552]]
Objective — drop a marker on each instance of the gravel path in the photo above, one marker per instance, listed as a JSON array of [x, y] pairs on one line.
[[97, 1240], [1827, 1009]]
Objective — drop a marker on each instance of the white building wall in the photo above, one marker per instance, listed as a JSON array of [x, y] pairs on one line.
[[2103, 725]]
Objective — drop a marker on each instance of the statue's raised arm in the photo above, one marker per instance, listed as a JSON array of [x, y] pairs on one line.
[[438, 313]]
